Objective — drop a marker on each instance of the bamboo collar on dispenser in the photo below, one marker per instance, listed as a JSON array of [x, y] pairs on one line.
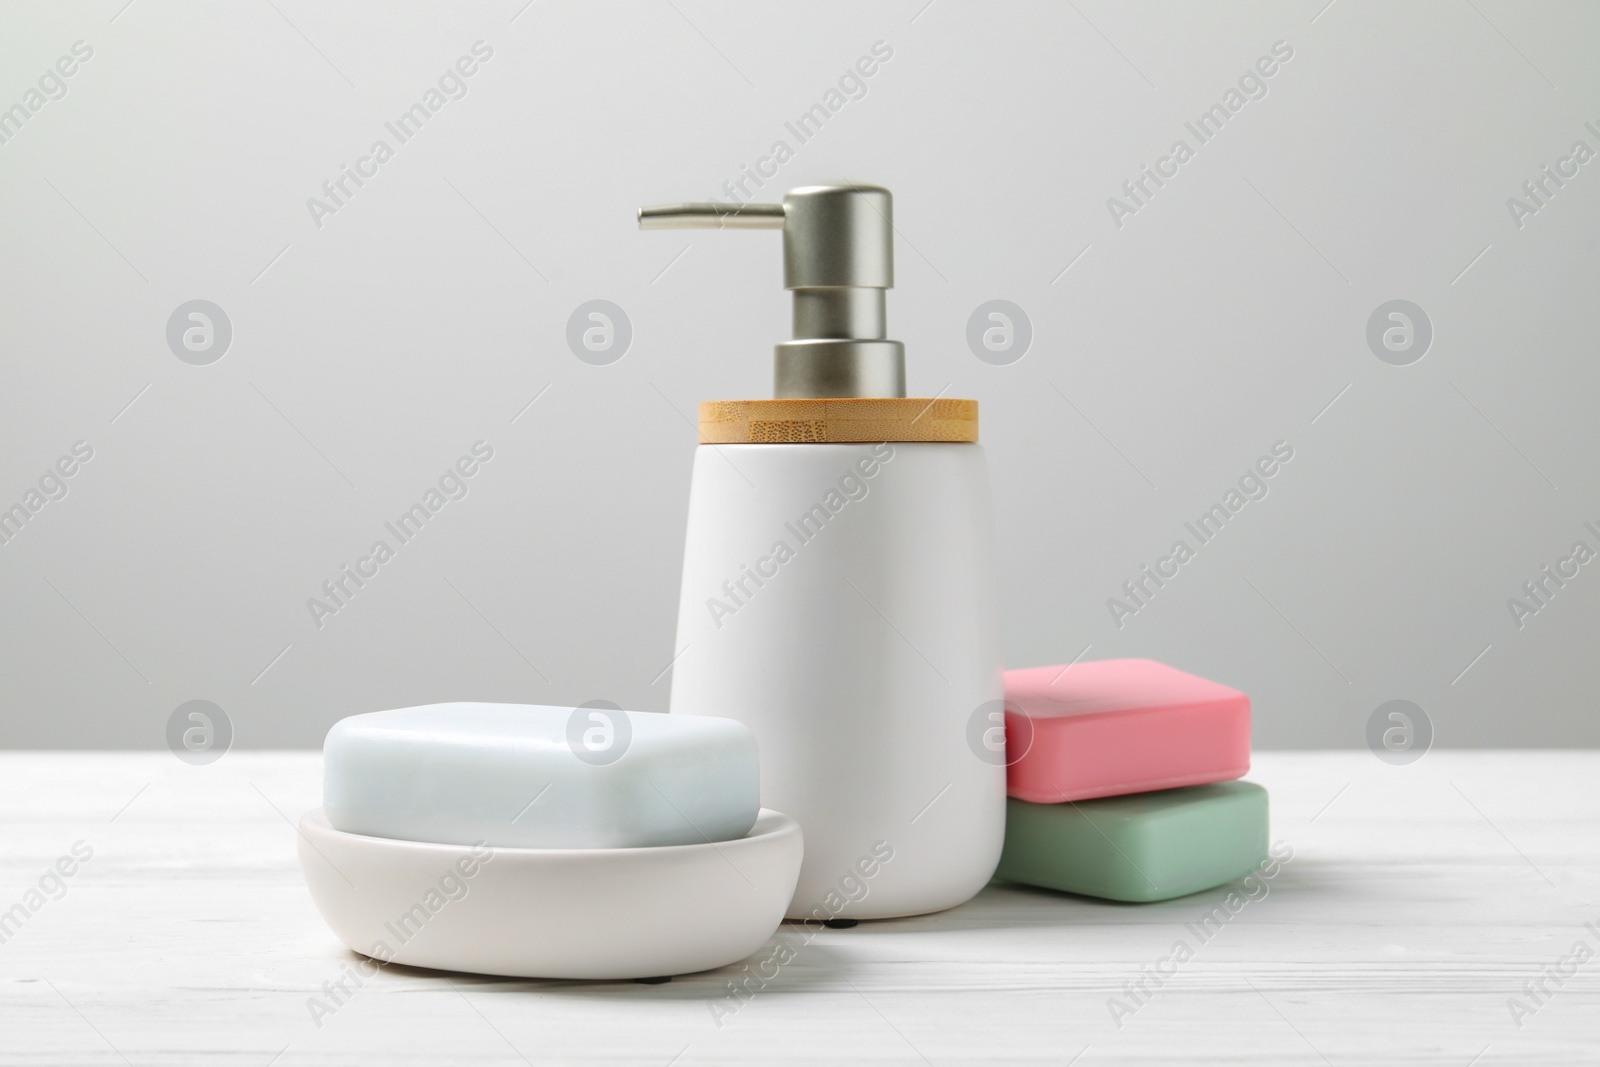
[[840, 379]]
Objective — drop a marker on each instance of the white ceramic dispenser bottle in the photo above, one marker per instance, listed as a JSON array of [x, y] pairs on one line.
[[839, 582]]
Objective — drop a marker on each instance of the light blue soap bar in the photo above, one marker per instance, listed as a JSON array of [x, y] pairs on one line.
[[529, 776]]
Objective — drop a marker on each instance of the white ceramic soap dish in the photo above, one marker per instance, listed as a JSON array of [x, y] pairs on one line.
[[606, 913]]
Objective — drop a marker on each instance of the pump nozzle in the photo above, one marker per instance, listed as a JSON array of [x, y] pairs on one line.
[[838, 259], [711, 216]]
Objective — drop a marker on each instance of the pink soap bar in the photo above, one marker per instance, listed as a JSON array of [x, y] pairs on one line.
[[1101, 729]]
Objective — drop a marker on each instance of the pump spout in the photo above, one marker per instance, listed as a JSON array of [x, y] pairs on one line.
[[711, 216], [838, 260]]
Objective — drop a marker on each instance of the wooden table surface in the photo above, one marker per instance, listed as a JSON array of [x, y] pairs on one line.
[[1418, 903]]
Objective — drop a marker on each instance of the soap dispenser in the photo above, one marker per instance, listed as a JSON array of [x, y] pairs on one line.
[[839, 581]]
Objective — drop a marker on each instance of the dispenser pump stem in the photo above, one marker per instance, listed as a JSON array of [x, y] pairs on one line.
[[838, 260]]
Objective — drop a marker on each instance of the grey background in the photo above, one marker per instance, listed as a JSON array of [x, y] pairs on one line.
[[369, 354]]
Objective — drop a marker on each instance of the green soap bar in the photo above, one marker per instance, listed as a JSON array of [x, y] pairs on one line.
[[1140, 847]]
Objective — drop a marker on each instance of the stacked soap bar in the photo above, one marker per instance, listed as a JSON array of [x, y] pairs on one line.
[[529, 776], [1120, 774]]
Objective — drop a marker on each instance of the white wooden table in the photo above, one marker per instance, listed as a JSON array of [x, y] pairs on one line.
[[1419, 901]]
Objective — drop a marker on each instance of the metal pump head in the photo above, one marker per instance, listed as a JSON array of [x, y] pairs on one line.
[[838, 259]]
